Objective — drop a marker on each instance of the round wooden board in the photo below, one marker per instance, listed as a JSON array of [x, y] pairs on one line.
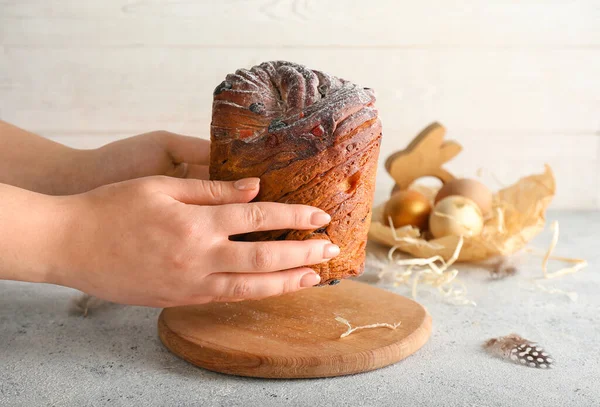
[[296, 335]]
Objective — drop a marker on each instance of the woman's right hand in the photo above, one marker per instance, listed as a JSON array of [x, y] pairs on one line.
[[162, 242]]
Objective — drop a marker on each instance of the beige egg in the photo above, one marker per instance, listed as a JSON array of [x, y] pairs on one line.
[[456, 216], [407, 208], [469, 188]]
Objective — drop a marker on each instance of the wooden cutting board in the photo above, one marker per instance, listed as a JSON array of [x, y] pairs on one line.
[[296, 335]]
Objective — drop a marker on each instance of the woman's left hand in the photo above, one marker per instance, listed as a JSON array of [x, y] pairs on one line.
[[38, 164], [154, 153]]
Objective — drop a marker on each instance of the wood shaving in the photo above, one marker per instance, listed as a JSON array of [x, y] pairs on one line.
[[433, 271], [567, 270], [572, 295], [551, 248], [578, 265], [358, 328], [501, 224], [412, 240]]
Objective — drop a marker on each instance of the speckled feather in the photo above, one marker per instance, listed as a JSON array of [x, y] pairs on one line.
[[520, 350]]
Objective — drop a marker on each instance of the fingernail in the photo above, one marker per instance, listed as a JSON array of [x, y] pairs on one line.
[[246, 184], [330, 251], [310, 280], [320, 218]]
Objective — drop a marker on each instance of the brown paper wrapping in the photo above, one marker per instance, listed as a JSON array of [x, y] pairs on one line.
[[518, 216]]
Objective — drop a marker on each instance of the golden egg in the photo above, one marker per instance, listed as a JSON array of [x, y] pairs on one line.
[[407, 208], [469, 188], [456, 216]]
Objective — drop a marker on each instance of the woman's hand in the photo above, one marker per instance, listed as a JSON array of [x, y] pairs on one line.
[[155, 153], [34, 163], [162, 242]]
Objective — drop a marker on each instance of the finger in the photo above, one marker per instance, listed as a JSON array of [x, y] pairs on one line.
[[178, 170], [185, 170], [236, 219], [186, 149], [206, 300], [228, 286], [260, 257], [197, 172], [226, 299], [202, 192]]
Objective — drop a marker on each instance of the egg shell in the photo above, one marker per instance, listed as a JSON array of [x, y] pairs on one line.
[[456, 216], [469, 188], [407, 208]]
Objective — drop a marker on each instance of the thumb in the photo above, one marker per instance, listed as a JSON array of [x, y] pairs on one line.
[[202, 192]]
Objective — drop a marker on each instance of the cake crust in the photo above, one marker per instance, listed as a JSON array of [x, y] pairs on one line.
[[312, 139]]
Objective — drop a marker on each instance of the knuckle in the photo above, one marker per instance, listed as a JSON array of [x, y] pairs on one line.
[[213, 189], [299, 216], [158, 179], [262, 258], [255, 216], [189, 231], [289, 285], [179, 260], [161, 136], [241, 289], [229, 259], [152, 184], [309, 255], [164, 133], [148, 184]]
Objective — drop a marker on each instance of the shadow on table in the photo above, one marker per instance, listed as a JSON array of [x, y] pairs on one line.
[[112, 337]]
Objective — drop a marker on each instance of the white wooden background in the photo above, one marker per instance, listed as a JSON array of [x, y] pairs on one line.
[[516, 82]]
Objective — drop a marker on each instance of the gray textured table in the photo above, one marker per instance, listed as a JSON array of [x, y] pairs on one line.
[[114, 357]]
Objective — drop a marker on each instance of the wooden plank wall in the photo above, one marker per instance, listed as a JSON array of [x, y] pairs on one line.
[[517, 82]]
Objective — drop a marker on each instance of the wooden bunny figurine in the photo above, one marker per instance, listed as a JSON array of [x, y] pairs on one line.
[[423, 157]]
